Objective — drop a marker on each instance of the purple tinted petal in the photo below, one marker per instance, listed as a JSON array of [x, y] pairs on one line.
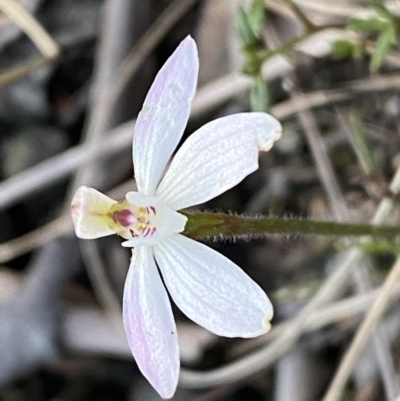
[[211, 290], [160, 124], [149, 323], [217, 157]]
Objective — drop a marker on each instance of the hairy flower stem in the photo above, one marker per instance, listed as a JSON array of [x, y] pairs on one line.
[[206, 224]]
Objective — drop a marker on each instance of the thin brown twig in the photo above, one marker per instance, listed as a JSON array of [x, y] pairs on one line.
[[363, 334], [129, 66], [374, 314], [324, 167], [46, 173], [35, 31], [360, 274], [51, 170], [60, 226], [335, 312], [20, 71]]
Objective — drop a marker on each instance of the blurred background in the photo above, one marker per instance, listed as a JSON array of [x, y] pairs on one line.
[[73, 76]]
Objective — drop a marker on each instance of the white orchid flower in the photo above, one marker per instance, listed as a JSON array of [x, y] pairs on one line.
[[208, 288]]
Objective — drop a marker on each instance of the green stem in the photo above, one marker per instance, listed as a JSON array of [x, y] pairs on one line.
[[206, 224]]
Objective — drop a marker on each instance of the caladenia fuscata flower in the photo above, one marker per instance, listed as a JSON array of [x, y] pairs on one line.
[[208, 288]]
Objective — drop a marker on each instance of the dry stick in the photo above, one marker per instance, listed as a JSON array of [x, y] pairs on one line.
[[43, 41], [360, 340], [302, 102], [382, 347], [323, 317], [380, 341], [112, 344], [37, 177], [20, 71], [43, 174], [336, 9], [56, 228], [360, 274], [324, 167], [35, 238], [355, 348], [267, 355], [333, 9], [125, 72], [336, 312], [107, 60], [325, 170]]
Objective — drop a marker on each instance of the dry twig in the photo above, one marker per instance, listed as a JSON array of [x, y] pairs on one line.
[[43, 41]]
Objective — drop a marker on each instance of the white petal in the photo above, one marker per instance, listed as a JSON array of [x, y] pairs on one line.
[[160, 124], [89, 209], [217, 157], [149, 323], [211, 290]]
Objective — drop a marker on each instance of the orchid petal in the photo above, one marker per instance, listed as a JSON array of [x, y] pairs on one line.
[[149, 323], [89, 209], [211, 290], [217, 157], [160, 124]]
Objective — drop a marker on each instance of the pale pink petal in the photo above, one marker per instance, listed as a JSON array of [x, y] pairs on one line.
[[149, 323], [211, 290], [160, 124], [217, 157]]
